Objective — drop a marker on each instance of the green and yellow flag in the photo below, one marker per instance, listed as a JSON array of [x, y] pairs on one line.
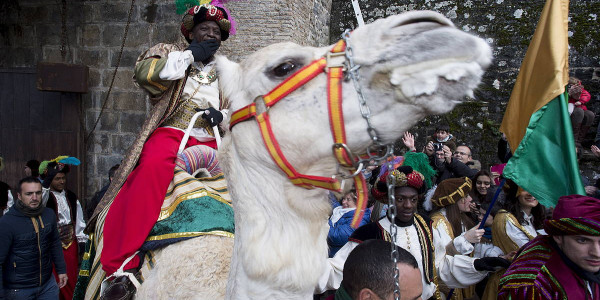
[[536, 121]]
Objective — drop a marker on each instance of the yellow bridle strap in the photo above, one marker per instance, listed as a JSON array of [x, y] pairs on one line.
[[362, 197], [335, 76], [306, 181], [242, 114], [295, 81]]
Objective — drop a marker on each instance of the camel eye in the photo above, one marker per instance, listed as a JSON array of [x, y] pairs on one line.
[[284, 69]]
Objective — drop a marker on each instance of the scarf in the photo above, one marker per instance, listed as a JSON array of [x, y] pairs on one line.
[[338, 212], [26, 210], [342, 294]]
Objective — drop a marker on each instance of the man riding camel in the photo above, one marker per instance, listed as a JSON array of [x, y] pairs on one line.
[[181, 81]]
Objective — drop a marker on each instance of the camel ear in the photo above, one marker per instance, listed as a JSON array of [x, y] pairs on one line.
[[230, 76]]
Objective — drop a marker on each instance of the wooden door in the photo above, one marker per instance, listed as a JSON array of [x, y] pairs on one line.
[[37, 125]]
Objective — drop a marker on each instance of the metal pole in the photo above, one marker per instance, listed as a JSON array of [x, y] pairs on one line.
[[357, 13]]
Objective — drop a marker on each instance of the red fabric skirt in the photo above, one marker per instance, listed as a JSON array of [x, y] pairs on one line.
[[72, 262], [136, 207]]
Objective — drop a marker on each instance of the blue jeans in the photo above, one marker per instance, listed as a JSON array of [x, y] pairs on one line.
[[48, 291]]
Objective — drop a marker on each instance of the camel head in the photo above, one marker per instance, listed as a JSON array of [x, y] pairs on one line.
[[412, 65]]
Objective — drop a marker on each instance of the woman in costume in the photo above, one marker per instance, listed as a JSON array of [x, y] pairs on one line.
[[453, 229], [520, 222], [339, 222]]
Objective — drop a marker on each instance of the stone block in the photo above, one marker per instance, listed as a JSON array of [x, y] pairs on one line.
[[169, 33], [117, 12], [48, 35], [90, 35], [99, 143], [112, 35], [51, 53], [131, 123], [123, 79], [121, 143], [92, 58], [95, 77], [108, 121], [128, 58], [129, 100], [98, 98]]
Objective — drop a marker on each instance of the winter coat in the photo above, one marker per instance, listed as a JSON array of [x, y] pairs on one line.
[[341, 230], [584, 98], [27, 253]]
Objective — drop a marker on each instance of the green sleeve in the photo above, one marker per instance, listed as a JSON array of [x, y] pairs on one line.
[[146, 75]]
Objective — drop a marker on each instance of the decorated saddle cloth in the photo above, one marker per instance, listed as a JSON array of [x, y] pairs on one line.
[[195, 205]]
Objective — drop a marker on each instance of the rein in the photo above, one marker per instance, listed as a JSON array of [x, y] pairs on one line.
[[334, 68]]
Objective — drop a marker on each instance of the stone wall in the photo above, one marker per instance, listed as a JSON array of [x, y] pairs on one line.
[[31, 32], [507, 25]]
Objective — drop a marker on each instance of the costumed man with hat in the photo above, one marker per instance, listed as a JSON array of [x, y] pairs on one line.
[[69, 217], [413, 233], [565, 264], [181, 80], [6, 198]]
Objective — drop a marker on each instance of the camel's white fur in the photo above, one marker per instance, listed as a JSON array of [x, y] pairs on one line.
[[413, 65]]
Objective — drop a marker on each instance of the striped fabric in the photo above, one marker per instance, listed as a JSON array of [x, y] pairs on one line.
[[199, 157], [528, 277]]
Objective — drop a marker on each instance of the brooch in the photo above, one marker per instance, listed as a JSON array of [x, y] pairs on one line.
[[203, 77]]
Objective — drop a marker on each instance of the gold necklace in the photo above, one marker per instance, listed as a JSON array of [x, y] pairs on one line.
[[407, 238]]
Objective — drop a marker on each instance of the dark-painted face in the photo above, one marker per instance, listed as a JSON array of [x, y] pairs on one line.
[[59, 182], [407, 199], [207, 30]]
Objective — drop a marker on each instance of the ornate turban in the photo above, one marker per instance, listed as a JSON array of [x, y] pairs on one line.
[[403, 176], [207, 12], [575, 214], [451, 190]]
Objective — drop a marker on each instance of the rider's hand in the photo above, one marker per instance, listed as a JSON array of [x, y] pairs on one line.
[[203, 50], [213, 116]]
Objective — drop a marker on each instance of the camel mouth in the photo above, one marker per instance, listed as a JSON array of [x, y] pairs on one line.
[[423, 18], [427, 55]]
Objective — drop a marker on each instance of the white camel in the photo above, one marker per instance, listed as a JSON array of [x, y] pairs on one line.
[[412, 65]]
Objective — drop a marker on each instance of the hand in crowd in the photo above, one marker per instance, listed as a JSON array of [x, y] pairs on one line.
[[447, 154], [62, 280], [509, 256], [596, 150], [409, 141], [578, 103], [490, 263], [474, 234], [428, 149], [590, 190]]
